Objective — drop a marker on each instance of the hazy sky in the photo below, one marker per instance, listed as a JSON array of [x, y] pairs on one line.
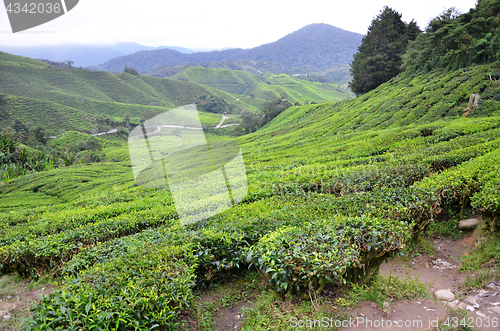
[[211, 24]]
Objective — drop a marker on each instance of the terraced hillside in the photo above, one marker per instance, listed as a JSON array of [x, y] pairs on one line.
[[264, 87], [37, 93], [334, 189]]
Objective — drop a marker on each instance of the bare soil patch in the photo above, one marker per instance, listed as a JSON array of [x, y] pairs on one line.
[[16, 301], [439, 272]]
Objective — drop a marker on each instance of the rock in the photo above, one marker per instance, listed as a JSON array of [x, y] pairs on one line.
[[462, 305], [469, 223], [445, 295], [452, 305], [442, 264], [470, 308], [6, 317], [480, 314]]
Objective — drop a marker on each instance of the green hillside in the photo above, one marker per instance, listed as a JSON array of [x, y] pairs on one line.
[[29, 110], [264, 87], [82, 95]]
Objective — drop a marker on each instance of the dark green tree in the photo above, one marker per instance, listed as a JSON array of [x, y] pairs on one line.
[[38, 132], [131, 71], [271, 109], [379, 57]]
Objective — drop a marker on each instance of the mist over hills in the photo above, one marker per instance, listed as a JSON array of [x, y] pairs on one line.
[[318, 46], [83, 55]]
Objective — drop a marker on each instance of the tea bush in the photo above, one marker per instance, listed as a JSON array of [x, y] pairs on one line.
[[146, 288], [297, 259]]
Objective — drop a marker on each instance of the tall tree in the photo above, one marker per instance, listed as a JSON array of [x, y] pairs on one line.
[[379, 57]]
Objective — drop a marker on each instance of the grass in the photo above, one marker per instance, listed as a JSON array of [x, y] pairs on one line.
[[385, 289], [457, 320], [422, 246], [9, 284], [479, 278], [486, 252]]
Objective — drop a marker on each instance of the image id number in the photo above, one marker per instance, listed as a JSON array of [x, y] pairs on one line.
[[472, 322], [34, 8]]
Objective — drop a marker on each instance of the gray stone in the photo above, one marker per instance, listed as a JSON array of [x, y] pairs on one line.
[[6, 317], [445, 295], [469, 223]]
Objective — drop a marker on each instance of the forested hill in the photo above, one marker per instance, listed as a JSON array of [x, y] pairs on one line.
[[319, 46]]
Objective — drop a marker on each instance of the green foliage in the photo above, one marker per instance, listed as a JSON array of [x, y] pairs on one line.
[[379, 57], [17, 160], [39, 134], [131, 71], [457, 187], [479, 279], [145, 288], [484, 253], [385, 289], [271, 109], [299, 258], [453, 41]]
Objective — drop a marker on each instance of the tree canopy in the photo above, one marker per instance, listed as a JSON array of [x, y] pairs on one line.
[[453, 40], [379, 57]]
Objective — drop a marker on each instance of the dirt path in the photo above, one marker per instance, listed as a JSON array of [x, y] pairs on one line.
[[439, 272], [221, 121], [16, 299]]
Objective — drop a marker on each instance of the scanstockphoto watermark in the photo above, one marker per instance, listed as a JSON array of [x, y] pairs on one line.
[[26, 14], [361, 322], [204, 178], [364, 322]]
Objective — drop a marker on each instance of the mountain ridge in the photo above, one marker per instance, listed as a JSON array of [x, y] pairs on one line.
[[304, 47], [83, 55]]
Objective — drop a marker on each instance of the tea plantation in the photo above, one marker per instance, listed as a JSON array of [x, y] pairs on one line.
[[334, 190]]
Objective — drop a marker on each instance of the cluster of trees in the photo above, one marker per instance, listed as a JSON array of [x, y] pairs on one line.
[[16, 159], [131, 71], [36, 137], [30, 135], [267, 111], [450, 41], [453, 40], [213, 104], [379, 57]]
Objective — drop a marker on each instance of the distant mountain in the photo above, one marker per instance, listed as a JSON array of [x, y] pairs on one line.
[[83, 55], [319, 46], [129, 48]]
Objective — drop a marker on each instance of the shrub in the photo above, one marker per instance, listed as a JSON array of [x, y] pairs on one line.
[[298, 259], [146, 288]]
